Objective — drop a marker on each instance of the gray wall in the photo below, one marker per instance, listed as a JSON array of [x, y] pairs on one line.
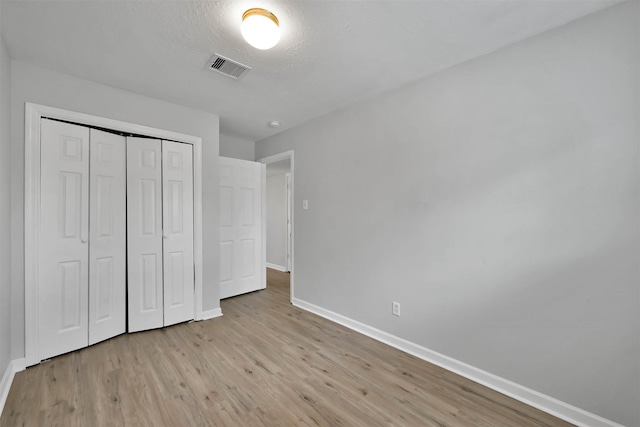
[[41, 86], [5, 206], [237, 148], [277, 144], [277, 220], [498, 202]]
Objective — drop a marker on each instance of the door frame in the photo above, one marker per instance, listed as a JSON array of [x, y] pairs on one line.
[[289, 219], [33, 115], [276, 158]]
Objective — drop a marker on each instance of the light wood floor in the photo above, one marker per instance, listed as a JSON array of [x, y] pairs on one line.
[[263, 363]]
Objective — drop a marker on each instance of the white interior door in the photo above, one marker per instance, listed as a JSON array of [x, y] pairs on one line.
[[144, 234], [64, 227], [242, 254], [177, 218], [107, 236]]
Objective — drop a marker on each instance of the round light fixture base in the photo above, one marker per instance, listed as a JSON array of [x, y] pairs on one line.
[[260, 28]]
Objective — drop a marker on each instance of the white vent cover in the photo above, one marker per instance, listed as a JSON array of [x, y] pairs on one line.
[[226, 66]]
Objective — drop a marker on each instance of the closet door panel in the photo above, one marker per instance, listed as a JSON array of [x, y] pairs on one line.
[[144, 234], [177, 188], [108, 237], [64, 223]]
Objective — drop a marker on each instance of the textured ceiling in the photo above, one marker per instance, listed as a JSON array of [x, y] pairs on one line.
[[331, 54]]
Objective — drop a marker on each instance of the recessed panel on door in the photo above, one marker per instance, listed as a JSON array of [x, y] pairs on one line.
[[144, 234], [108, 236], [248, 258], [149, 289], [226, 262], [247, 207], [175, 269], [177, 219], [104, 270], [64, 233], [70, 294]]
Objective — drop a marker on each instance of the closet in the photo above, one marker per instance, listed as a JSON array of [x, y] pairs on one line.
[[116, 236]]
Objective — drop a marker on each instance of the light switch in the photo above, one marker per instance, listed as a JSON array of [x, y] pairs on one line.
[[305, 204]]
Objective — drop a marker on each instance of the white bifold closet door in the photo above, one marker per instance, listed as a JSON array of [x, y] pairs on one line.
[[242, 242], [81, 291], [144, 233], [107, 236], [160, 233], [177, 220]]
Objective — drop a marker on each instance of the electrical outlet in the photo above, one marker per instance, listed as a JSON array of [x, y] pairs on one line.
[[395, 308]]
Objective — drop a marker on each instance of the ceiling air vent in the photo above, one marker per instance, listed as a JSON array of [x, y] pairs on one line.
[[226, 66]]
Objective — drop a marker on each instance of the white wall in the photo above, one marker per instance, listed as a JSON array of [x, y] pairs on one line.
[[41, 86], [498, 202], [237, 148], [277, 220], [5, 207]]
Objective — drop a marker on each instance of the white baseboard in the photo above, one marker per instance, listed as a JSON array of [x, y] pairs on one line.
[[13, 368], [533, 398], [210, 314], [277, 267]]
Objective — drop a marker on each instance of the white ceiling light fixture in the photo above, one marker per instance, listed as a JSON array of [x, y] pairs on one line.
[[260, 28]]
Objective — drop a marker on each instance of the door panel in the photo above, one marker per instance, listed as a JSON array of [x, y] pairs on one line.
[[226, 206], [247, 208], [71, 293], [226, 261], [177, 187], [248, 258], [144, 234], [63, 257], [104, 289], [150, 291], [107, 237], [242, 260]]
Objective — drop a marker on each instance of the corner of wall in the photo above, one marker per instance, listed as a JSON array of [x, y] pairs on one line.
[[237, 148], [13, 368], [5, 207]]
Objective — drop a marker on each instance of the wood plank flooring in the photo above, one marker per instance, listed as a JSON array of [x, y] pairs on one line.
[[264, 363]]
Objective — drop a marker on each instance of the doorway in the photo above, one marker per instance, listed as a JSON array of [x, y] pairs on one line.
[[280, 214]]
